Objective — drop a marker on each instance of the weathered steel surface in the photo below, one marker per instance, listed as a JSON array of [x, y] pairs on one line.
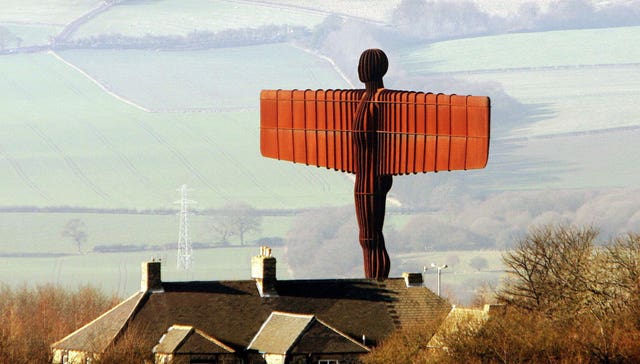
[[420, 132], [375, 133]]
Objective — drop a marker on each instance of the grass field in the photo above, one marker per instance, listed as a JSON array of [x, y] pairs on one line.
[[589, 85], [31, 34], [44, 12], [376, 10], [585, 94], [74, 136], [32, 233], [120, 272], [526, 51], [215, 79], [180, 17], [101, 152]]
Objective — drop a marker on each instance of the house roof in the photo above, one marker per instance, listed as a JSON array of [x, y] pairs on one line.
[[462, 318], [320, 338], [285, 333], [98, 334], [279, 332], [233, 311], [188, 340]]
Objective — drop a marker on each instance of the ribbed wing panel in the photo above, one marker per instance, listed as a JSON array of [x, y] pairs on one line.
[[425, 132], [309, 126], [418, 132]]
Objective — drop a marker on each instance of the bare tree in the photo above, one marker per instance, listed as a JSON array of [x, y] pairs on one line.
[[236, 219], [549, 269], [568, 299], [244, 219], [222, 227], [76, 230]]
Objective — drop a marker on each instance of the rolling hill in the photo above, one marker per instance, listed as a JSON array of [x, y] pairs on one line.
[[123, 128]]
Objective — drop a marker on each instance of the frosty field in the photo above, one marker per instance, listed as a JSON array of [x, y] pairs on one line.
[[207, 80], [123, 129], [180, 17], [81, 147]]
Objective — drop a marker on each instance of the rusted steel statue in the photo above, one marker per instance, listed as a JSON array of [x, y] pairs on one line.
[[375, 133]]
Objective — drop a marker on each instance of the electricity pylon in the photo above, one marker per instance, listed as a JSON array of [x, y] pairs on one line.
[[185, 250]]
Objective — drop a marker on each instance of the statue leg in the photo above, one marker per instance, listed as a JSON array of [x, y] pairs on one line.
[[370, 211]]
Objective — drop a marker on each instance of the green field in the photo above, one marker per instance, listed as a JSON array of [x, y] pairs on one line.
[[33, 233], [585, 96], [125, 128], [180, 17], [211, 80], [608, 46], [120, 272], [83, 146], [44, 11], [591, 84], [80, 146], [30, 34], [376, 10]]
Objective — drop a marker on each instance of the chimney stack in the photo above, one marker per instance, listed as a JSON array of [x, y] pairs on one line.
[[263, 270], [151, 280], [412, 279]]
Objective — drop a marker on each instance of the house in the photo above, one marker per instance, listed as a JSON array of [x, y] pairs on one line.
[[262, 320], [467, 319]]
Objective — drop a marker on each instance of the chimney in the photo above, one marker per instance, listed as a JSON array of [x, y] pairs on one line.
[[263, 270], [151, 280], [412, 279]]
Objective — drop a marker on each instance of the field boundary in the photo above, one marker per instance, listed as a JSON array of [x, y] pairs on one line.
[[103, 87]]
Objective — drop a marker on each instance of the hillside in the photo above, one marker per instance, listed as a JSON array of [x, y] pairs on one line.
[[126, 127], [114, 105]]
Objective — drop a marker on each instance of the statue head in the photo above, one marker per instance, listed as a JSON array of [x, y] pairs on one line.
[[373, 65]]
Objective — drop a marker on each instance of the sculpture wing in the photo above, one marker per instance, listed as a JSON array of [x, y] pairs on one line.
[[425, 132], [309, 126]]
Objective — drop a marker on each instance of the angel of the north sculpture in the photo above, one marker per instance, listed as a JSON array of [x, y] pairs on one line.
[[375, 133]]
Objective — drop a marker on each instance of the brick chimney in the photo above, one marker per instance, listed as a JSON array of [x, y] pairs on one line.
[[151, 280], [263, 270], [412, 279]]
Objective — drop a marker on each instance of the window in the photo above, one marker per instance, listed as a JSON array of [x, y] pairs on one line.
[[328, 361], [65, 359]]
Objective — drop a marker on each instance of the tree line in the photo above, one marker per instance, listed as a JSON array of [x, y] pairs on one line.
[[33, 318], [233, 221], [197, 39]]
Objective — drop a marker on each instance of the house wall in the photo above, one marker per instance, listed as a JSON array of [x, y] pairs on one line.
[[190, 359], [313, 359], [341, 358], [73, 357], [274, 358]]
